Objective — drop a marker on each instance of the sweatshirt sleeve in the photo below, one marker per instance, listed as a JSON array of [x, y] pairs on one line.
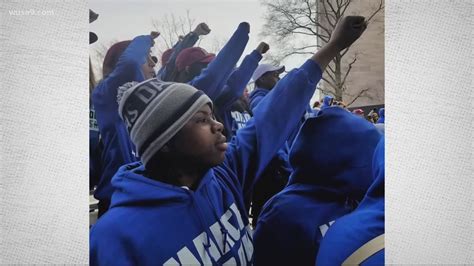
[[128, 69], [275, 117], [238, 80], [117, 147], [255, 100], [167, 71], [220, 68]]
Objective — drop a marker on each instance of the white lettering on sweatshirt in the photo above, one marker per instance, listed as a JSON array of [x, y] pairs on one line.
[[236, 234], [324, 228]]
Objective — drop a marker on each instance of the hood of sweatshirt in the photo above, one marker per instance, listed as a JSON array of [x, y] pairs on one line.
[[171, 223], [334, 150], [256, 93], [377, 190], [381, 116], [132, 188], [327, 101], [354, 230]]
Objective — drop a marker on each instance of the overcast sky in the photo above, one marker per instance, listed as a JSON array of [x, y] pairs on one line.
[[124, 19]]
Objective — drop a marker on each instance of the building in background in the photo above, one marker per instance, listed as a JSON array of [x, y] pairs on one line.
[[367, 72]]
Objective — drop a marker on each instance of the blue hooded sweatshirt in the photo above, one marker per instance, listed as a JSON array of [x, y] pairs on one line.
[[118, 149], [234, 118], [167, 71], [331, 158], [327, 101], [256, 96], [381, 116], [364, 224], [213, 78], [259, 93], [153, 223]]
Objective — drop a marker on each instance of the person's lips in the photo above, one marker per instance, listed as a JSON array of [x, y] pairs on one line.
[[222, 144]]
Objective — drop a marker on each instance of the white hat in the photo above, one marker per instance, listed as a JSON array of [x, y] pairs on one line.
[[264, 68]]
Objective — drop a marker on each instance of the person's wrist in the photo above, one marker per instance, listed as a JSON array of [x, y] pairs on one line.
[[333, 46]]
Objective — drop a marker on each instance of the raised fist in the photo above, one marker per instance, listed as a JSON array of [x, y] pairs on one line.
[[263, 47], [202, 29], [245, 25], [347, 31], [154, 34]]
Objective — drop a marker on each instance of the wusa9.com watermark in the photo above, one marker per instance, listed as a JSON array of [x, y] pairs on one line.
[[31, 12]]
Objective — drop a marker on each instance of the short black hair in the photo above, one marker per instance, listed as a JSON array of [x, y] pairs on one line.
[[258, 83]]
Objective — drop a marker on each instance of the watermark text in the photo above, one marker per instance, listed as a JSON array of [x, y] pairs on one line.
[[31, 12]]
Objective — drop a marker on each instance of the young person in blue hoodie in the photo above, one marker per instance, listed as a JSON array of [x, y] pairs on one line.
[[216, 76], [183, 203], [232, 108], [265, 78], [124, 62], [358, 238], [167, 71], [381, 119], [208, 72], [327, 101], [275, 176], [332, 162]]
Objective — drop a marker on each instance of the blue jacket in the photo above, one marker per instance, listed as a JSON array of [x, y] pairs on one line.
[[255, 97], [381, 116], [118, 149], [331, 158], [167, 71], [326, 102], [234, 118], [213, 78], [151, 223], [367, 222]]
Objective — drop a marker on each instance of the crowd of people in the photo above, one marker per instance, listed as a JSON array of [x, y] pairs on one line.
[[190, 168]]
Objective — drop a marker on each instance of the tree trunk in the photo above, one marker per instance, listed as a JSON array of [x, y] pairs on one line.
[[337, 77]]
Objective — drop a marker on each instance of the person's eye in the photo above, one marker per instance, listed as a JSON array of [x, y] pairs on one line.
[[202, 120]]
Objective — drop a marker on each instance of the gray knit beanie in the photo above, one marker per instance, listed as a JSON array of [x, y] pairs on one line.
[[154, 111]]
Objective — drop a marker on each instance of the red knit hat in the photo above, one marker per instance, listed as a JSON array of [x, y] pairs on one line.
[[192, 55], [166, 56], [358, 111], [112, 56]]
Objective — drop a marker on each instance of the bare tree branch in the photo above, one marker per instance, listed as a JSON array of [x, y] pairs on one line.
[[325, 91], [332, 8], [345, 5], [345, 51], [329, 83], [380, 7], [171, 28], [329, 74], [329, 66], [310, 15], [357, 96], [326, 13], [349, 69]]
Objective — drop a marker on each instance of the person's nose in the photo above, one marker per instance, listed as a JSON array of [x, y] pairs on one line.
[[217, 126]]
